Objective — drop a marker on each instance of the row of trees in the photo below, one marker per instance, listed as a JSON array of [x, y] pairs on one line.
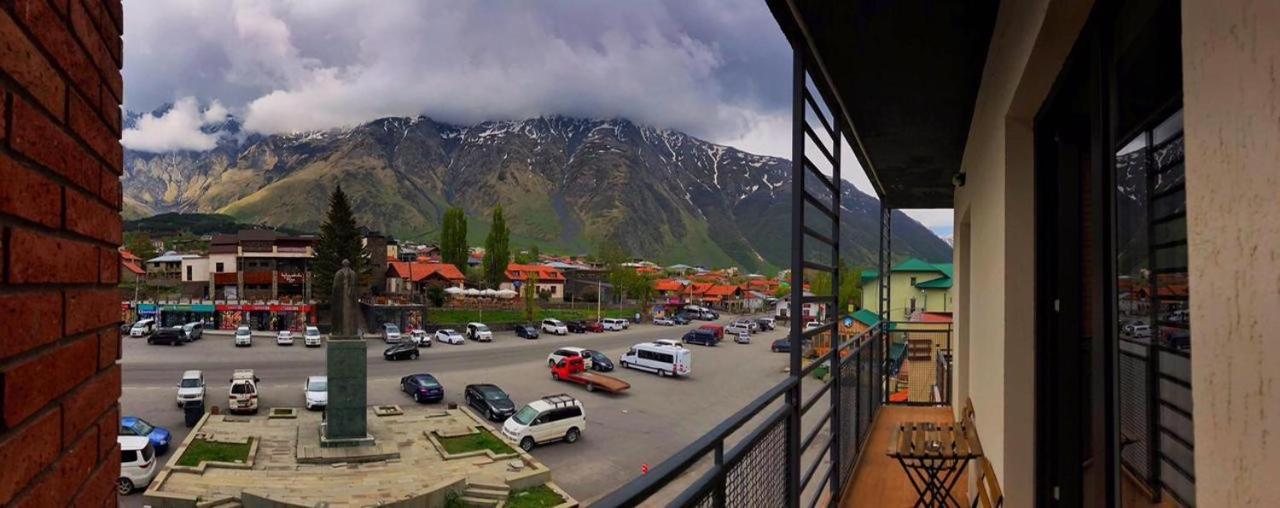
[[497, 246]]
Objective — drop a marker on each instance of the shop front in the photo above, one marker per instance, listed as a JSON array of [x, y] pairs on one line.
[[181, 314], [265, 317]]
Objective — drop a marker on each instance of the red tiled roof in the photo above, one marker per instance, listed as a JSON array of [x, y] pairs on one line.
[[132, 267], [547, 274], [668, 285], [700, 288], [422, 271], [722, 291], [128, 256], [935, 317]]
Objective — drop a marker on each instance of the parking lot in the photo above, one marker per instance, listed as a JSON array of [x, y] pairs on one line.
[[643, 425]]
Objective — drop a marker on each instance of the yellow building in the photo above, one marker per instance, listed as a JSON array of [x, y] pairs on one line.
[[914, 286]]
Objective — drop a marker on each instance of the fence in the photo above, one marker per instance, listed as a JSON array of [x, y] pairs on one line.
[[919, 363], [1156, 429]]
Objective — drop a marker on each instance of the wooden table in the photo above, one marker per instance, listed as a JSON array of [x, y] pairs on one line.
[[934, 456]]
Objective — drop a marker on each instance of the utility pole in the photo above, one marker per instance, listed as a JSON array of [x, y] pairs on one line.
[[599, 289]]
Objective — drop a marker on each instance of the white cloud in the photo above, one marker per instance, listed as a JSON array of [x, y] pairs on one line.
[[176, 129]]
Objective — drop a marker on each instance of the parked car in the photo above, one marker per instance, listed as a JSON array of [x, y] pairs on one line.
[[783, 345], [750, 325], [449, 336], [194, 330], [576, 326], [595, 327], [490, 401], [669, 342], [714, 328], [735, 328], [173, 336], [401, 351], [567, 352], [663, 322], [143, 328], [390, 333], [526, 332], [138, 464], [612, 324], [681, 319], [134, 426], [742, 338], [626, 323], [479, 332], [700, 336], [242, 396], [661, 359], [316, 392], [191, 387], [766, 323], [554, 326], [284, 338], [545, 420], [422, 387], [599, 362], [243, 336], [311, 337], [420, 338]]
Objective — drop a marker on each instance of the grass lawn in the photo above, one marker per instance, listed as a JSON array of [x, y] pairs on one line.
[[200, 450], [536, 497], [484, 440], [461, 317]]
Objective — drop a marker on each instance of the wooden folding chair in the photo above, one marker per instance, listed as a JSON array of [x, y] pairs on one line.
[[989, 493]]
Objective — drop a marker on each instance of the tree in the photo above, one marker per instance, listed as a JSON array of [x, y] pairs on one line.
[[641, 287], [497, 249], [530, 294], [611, 255], [339, 240], [436, 295], [140, 245], [453, 237]]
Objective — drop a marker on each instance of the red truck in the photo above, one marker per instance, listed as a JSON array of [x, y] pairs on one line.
[[716, 329], [573, 369]]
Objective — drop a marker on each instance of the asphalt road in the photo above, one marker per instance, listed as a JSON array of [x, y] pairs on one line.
[[644, 425]]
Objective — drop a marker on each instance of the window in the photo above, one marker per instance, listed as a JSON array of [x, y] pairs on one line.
[[128, 456], [218, 267], [189, 271]]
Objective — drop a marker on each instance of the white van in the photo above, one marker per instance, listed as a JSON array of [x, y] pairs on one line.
[[243, 336], [242, 397], [554, 326], [611, 324], [137, 464], [661, 359], [548, 419], [143, 328], [311, 337]]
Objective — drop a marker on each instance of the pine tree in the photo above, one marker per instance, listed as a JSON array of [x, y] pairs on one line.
[[497, 249], [339, 240], [453, 238]]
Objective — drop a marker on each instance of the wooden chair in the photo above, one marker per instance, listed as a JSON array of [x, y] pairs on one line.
[[988, 486]]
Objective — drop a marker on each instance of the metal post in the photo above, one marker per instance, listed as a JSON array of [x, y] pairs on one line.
[[797, 275], [836, 420]]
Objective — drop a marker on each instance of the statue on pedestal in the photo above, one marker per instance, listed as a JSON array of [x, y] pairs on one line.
[[345, 418]]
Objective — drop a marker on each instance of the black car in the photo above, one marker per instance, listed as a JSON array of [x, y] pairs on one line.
[[526, 331], [490, 400], [764, 324], [599, 361], [173, 336], [422, 387], [681, 319], [406, 350], [784, 345], [577, 326], [704, 337]]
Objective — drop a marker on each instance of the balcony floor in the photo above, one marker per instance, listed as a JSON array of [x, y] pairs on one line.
[[877, 479]]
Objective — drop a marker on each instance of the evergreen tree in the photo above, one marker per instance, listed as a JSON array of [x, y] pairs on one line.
[[497, 249], [453, 238], [530, 293], [339, 240]]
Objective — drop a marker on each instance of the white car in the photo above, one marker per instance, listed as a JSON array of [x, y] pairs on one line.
[[479, 332], [311, 337], [742, 338], [284, 338], [243, 336], [555, 326], [612, 324], [420, 338], [569, 352], [736, 328], [191, 387], [138, 464], [449, 336], [669, 342], [316, 392], [143, 328], [390, 333], [626, 323], [551, 418], [663, 322]]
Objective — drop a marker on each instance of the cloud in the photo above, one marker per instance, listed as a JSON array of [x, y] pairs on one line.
[[176, 129]]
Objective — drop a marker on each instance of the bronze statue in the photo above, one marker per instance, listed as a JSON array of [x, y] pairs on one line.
[[344, 305]]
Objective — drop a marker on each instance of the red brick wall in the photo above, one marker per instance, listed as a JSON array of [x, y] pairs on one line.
[[60, 164]]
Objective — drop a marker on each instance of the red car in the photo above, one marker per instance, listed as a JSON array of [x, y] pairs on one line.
[[596, 327]]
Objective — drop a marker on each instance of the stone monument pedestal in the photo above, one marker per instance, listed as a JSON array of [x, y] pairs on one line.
[[346, 416]]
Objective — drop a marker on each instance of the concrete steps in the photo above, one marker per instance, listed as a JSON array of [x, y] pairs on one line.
[[485, 495]]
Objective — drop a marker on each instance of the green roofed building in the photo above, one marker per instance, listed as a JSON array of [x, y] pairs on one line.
[[914, 286]]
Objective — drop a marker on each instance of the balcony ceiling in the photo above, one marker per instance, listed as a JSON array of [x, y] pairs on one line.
[[906, 74]]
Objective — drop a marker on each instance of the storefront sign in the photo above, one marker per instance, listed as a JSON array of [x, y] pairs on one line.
[[188, 308]]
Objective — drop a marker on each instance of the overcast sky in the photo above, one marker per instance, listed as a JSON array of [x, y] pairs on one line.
[[719, 70]]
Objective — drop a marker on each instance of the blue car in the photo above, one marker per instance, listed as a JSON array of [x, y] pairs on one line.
[[134, 426]]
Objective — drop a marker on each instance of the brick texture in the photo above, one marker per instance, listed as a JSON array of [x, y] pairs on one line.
[[60, 165]]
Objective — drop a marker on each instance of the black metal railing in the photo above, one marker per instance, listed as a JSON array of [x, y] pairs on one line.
[[919, 363], [1156, 428]]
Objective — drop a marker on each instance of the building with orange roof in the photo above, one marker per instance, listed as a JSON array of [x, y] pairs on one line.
[[403, 276], [130, 267], [550, 281]]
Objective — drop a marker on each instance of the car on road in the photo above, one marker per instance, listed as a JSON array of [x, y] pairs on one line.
[[766, 323], [134, 426], [143, 328], [422, 387], [401, 351], [714, 328], [242, 396], [449, 336], [612, 324], [420, 338], [243, 336], [567, 352], [526, 331], [194, 330], [316, 392], [681, 319], [1137, 329], [479, 332], [736, 328], [599, 361], [138, 464], [311, 337], [783, 345], [551, 418], [595, 327], [626, 323], [284, 338], [576, 326], [663, 322], [669, 342], [742, 338], [191, 387], [571, 370], [554, 326], [390, 333], [173, 336], [704, 337], [490, 401], [750, 325], [660, 359]]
